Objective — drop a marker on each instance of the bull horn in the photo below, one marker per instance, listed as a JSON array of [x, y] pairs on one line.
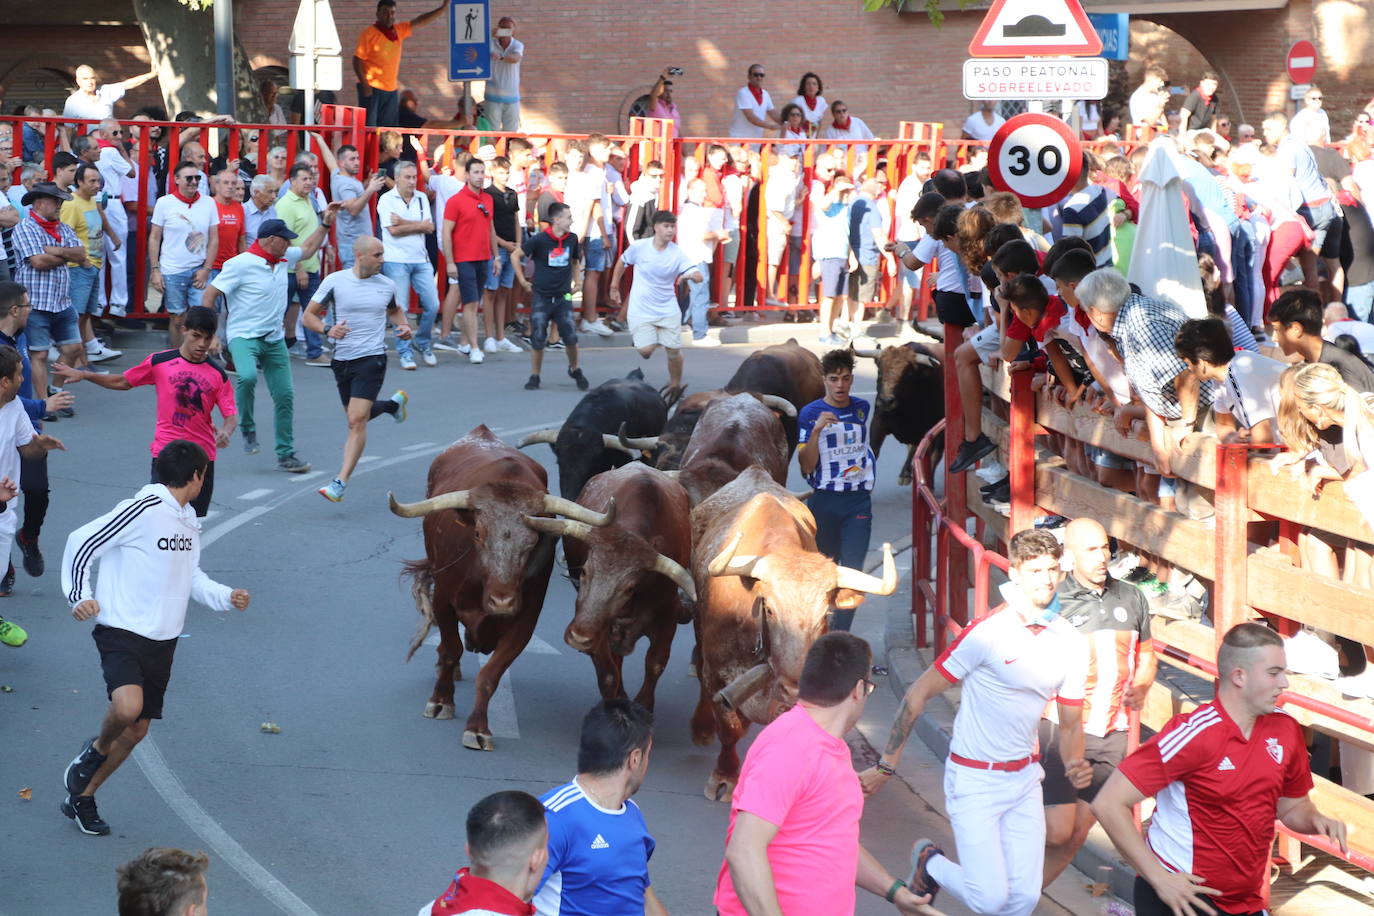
[[559, 527], [458, 499], [737, 692], [614, 443], [578, 512], [871, 354], [547, 436], [727, 564], [674, 473], [639, 443], [675, 571], [863, 582], [782, 405]]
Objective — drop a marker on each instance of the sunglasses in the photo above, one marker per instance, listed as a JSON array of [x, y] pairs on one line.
[[759, 75], [869, 687], [116, 133], [188, 178]]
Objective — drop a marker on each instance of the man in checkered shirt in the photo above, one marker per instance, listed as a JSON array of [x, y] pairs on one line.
[[1141, 331], [45, 246]]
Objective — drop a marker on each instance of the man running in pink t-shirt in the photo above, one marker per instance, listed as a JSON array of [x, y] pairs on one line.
[[189, 387]]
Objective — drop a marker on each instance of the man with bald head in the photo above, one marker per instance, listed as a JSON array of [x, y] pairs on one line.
[[1114, 618], [365, 301], [97, 102]]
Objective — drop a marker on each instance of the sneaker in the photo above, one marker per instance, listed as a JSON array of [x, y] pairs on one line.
[[705, 342], [449, 344], [82, 768], [333, 491], [401, 399], [67, 412], [595, 327], [557, 345], [577, 376], [428, 358], [1308, 653], [475, 356], [118, 311], [830, 340], [506, 345], [297, 349], [999, 494], [12, 634], [464, 349], [516, 327], [323, 360], [408, 362], [617, 325], [292, 465], [81, 808], [996, 484], [33, 557], [991, 471], [490, 345], [99, 353], [921, 882], [250, 442], [1356, 686], [50, 417], [970, 453], [532, 384], [7, 583]]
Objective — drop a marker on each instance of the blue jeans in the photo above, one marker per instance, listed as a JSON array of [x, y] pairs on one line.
[[699, 301], [1359, 299], [177, 292], [383, 106], [501, 273], [419, 277], [314, 341], [844, 524], [1242, 263]]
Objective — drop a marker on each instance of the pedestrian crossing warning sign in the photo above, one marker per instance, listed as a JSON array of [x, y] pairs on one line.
[[1035, 28]]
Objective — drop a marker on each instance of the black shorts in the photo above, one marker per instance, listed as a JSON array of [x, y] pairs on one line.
[[952, 308], [207, 489], [359, 378], [127, 658], [1105, 754], [1147, 903]]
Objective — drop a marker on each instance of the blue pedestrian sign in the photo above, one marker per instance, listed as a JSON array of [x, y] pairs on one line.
[[469, 55], [1115, 31]]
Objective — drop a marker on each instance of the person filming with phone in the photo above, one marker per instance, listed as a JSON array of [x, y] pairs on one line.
[[661, 104], [503, 88]]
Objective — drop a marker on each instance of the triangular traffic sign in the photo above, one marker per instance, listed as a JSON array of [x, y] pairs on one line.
[[326, 36], [1033, 28]]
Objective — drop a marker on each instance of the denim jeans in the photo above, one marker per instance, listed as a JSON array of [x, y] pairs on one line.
[[844, 524], [314, 342], [419, 277], [1242, 264], [699, 301], [1358, 300], [178, 292]]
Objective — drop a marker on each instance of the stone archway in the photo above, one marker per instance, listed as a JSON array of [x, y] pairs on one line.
[[37, 81]]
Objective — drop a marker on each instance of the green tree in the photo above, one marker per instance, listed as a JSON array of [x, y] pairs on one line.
[[180, 37], [932, 7]]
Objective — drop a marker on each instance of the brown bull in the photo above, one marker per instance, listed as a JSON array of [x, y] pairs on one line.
[[628, 573], [733, 433], [485, 565], [786, 370], [763, 595], [911, 398], [665, 451]]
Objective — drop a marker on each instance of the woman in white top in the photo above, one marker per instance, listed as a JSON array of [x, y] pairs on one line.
[[793, 128], [811, 103]]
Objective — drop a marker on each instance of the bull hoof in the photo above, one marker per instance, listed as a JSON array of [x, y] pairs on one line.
[[438, 710], [478, 742], [703, 736], [719, 788], [904, 479], [431, 710], [692, 670]]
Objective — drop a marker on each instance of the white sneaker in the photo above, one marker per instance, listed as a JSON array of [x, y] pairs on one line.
[[595, 327], [463, 349], [407, 362], [1357, 686], [991, 471], [1308, 653], [506, 346], [429, 358], [475, 356], [119, 311], [99, 353], [490, 345], [705, 342]]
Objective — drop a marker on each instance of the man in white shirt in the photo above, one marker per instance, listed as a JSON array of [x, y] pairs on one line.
[[405, 218], [182, 245], [1247, 401], [503, 86], [589, 196], [754, 112], [96, 103], [1337, 321], [1148, 100], [983, 123], [652, 311], [844, 126], [115, 166], [699, 228], [1311, 124], [780, 200]]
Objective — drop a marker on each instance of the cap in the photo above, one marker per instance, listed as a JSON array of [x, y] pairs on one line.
[[486, 152], [275, 227], [44, 189]]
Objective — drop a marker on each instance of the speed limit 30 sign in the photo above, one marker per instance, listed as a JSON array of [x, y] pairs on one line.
[[1036, 157]]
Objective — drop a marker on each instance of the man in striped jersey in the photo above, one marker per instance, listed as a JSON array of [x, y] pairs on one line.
[[1114, 618], [1220, 775], [149, 548], [1085, 212]]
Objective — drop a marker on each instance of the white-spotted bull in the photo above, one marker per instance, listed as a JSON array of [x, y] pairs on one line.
[[628, 573], [911, 398], [485, 565], [763, 595]]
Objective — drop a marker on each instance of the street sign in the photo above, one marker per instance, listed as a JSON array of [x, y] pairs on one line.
[[1036, 157], [1302, 62], [1035, 78], [1115, 31], [315, 48], [469, 55], [1035, 27]]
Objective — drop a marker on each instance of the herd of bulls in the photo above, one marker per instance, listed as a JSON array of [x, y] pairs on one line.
[[664, 521]]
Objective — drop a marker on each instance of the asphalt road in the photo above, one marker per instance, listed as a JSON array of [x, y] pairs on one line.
[[356, 806]]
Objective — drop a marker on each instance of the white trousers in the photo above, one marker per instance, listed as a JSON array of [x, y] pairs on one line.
[[9, 524], [116, 259], [999, 827]]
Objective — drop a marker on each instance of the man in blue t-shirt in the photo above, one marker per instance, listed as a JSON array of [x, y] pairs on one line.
[[835, 458], [599, 845]]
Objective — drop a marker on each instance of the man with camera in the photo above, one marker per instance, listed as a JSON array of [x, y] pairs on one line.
[[503, 88]]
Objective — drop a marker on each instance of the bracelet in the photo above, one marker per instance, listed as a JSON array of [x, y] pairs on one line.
[[886, 768], [891, 894]]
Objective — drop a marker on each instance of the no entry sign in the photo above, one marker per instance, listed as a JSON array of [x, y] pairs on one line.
[[1302, 62], [1036, 157]]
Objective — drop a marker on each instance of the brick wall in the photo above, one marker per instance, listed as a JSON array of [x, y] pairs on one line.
[[116, 52]]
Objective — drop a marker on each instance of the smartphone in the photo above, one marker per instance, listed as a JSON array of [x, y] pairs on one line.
[[674, 71]]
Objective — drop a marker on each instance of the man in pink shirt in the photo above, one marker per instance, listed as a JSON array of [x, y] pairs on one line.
[[793, 841], [189, 387]]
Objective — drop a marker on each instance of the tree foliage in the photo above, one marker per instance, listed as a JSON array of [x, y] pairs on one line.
[[932, 7]]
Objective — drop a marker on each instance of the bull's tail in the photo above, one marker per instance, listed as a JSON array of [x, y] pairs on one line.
[[421, 577]]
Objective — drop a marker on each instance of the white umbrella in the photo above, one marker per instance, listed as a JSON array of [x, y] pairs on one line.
[[1164, 261]]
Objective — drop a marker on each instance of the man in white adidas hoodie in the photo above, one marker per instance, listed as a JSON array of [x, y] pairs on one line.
[[149, 542]]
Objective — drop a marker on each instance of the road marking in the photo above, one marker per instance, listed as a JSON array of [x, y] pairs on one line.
[[308, 475], [255, 494], [536, 645], [366, 458], [501, 711], [416, 447]]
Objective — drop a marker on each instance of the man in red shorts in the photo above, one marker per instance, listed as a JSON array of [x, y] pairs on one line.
[[1220, 775]]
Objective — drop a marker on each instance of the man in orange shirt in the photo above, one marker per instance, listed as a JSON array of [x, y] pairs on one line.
[[377, 59]]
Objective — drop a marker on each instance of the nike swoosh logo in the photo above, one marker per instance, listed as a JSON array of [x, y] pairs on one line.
[[1008, 661]]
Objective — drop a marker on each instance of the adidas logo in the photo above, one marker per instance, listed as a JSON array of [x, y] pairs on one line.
[[600, 842], [1225, 764]]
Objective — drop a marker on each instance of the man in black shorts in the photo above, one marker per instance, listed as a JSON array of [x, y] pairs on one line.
[[150, 542], [556, 252], [364, 301], [1114, 618]]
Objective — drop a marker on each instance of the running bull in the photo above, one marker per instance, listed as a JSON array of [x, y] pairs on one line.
[[911, 398]]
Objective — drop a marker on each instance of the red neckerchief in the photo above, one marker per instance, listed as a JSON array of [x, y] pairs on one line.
[[558, 240], [103, 143], [389, 32], [557, 195], [810, 101], [188, 201], [839, 126], [468, 892], [757, 93], [51, 227], [1206, 99], [263, 253]]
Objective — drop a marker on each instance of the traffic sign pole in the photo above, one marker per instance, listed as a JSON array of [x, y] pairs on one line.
[[469, 31]]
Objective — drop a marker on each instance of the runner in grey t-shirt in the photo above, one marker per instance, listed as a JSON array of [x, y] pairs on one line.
[[364, 303]]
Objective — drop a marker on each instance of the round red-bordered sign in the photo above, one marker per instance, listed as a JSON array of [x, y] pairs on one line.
[[1036, 157], [1301, 62]]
